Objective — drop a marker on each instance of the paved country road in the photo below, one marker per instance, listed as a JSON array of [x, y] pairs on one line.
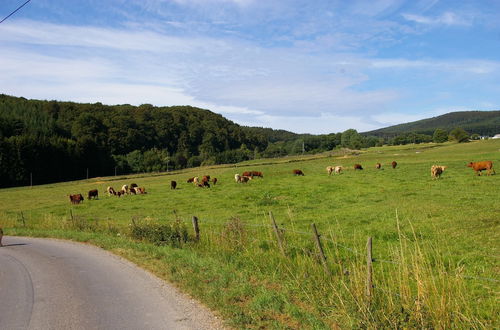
[[55, 284]]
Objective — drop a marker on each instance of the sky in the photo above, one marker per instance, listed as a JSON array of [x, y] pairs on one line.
[[307, 66]]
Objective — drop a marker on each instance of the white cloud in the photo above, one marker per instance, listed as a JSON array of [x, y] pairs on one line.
[[447, 18]]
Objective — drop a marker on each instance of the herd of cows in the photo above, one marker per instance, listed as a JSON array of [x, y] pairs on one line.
[[436, 171]]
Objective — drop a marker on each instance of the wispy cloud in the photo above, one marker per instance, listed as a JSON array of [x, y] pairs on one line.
[[447, 18]]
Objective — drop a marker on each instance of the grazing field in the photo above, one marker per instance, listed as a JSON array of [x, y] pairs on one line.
[[435, 241]]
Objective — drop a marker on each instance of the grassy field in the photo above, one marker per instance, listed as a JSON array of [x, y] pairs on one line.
[[435, 242]]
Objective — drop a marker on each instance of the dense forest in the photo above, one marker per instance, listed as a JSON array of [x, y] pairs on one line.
[[483, 123], [52, 141]]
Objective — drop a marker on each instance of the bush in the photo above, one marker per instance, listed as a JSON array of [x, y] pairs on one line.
[[173, 234]]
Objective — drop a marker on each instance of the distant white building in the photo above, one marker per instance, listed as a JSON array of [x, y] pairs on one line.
[[496, 136]]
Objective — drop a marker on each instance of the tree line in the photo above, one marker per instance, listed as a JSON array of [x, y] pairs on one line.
[[54, 141]]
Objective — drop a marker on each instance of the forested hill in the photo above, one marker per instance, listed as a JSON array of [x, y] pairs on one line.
[[485, 123], [57, 141]]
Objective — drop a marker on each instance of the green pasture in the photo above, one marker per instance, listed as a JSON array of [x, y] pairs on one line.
[[435, 242]]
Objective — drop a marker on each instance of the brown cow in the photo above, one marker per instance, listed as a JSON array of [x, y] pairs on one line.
[[139, 190], [358, 167], [481, 166], [247, 174], [190, 180], [298, 172], [173, 184], [257, 173], [214, 180], [93, 194], [394, 164], [76, 199], [378, 166], [244, 179], [206, 178]]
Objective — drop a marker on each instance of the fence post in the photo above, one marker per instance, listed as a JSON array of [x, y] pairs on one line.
[[196, 228], [22, 219], [316, 237], [1, 236], [369, 269], [71, 215], [277, 232]]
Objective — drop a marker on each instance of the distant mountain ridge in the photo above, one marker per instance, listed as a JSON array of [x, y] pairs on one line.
[[484, 123]]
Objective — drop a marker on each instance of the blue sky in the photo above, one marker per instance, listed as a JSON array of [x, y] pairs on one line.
[[305, 66]]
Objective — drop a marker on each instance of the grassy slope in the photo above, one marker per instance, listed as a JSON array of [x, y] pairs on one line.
[[456, 217]]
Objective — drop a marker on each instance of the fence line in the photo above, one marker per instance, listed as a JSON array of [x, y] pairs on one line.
[[310, 234]]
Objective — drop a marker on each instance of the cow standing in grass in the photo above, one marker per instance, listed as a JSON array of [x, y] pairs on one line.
[[482, 166], [394, 164], [94, 193], [76, 199], [298, 172], [437, 170], [173, 184]]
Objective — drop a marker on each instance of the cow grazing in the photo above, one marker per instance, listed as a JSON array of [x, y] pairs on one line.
[[394, 164], [111, 191], [206, 178], [244, 179], [76, 199], [247, 173], [237, 178], [214, 180], [190, 180], [378, 166], [125, 189], [437, 170], [338, 169], [298, 172], [196, 180], [139, 190], [173, 184], [478, 167], [329, 170], [358, 167], [257, 173], [93, 194]]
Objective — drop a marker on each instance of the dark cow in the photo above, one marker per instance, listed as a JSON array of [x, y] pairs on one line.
[[76, 199], [358, 167], [257, 173], [378, 166], [298, 172], [205, 184], [190, 180], [173, 184], [93, 194], [214, 180], [394, 164], [482, 166]]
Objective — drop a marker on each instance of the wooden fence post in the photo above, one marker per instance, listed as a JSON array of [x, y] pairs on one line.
[[316, 237], [369, 269], [22, 219], [1, 236], [277, 232], [71, 215], [196, 228]]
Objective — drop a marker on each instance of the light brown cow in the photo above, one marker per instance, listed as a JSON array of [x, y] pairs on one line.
[[329, 169], [338, 169], [437, 170], [481, 166], [378, 166]]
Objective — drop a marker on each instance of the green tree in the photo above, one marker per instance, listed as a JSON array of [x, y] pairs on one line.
[[458, 135], [351, 139], [440, 136]]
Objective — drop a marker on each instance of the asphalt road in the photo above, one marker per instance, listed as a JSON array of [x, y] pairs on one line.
[[55, 284]]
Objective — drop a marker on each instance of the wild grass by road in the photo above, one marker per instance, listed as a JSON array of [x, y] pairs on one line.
[[435, 241]]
